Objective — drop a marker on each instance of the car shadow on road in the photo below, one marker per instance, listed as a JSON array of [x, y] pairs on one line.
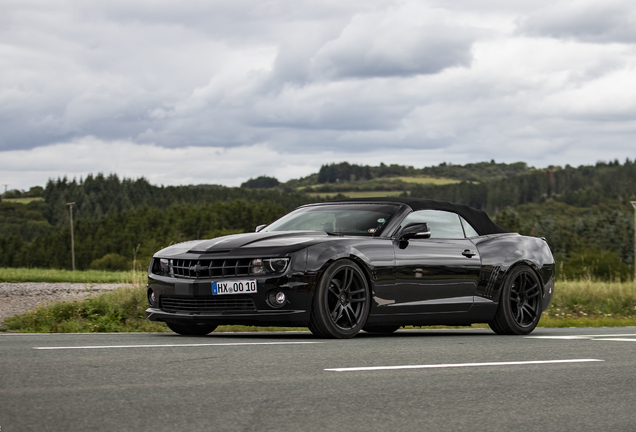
[[308, 336]]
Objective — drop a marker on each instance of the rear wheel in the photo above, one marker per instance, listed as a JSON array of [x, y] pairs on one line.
[[192, 329], [519, 308], [341, 302]]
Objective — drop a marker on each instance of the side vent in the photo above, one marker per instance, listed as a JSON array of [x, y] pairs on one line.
[[492, 280]]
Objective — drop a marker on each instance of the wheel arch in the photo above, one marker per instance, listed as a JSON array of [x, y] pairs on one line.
[[339, 252], [510, 267]]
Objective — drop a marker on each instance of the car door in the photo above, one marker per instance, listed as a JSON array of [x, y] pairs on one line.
[[436, 274]]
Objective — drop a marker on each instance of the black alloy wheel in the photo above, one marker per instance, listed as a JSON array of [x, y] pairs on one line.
[[192, 329], [341, 302], [519, 308]]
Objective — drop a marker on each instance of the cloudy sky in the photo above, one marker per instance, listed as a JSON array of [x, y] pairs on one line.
[[218, 91]]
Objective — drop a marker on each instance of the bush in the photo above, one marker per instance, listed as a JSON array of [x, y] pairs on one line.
[[592, 263], [111, 262]]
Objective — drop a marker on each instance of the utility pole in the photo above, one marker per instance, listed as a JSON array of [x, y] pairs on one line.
[[634, 204], [70, 209]]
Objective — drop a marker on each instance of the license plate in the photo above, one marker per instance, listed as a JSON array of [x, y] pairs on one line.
[[234, 287]]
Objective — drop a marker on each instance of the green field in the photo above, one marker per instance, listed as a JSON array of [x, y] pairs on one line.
[[369, 194], [427, 180], [22, 200], [575, 304]]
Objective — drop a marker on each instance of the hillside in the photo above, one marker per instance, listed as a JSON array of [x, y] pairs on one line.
[[583, 212]]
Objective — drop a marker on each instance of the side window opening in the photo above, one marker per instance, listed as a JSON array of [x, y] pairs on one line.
[[442, 224]]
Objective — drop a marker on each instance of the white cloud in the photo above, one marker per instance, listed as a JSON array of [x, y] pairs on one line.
[[409, 40], [287, 85]]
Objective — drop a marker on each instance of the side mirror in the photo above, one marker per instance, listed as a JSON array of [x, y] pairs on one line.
[[415, 231], [260, 227]]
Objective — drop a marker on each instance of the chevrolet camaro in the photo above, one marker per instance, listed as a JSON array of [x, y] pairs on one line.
[[340, 267]]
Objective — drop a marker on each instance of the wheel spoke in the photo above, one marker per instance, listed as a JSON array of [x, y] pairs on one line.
[[514, 290], [336, 313], [334, 288], [519, 315], [530, 309], [348, 280], [521, 283], [350, 315], [358, 300], [533, 291]]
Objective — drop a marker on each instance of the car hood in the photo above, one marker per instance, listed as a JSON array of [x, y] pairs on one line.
[[279, 242]]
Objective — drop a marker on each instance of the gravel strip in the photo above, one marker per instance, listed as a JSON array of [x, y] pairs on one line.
[[18, 298]]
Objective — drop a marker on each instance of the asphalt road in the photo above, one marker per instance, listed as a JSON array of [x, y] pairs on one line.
[[462, 380]]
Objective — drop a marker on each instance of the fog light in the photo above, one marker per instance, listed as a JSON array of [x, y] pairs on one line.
[[277, 299], [151, 297], [280, 298]]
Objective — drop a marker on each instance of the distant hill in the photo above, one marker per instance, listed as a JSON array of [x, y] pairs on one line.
[[583, 211]]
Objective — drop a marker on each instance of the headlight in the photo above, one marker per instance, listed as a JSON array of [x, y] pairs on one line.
[[165, 266], [260, 266]]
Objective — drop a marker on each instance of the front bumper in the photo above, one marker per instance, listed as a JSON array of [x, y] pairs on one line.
[[182, 297]]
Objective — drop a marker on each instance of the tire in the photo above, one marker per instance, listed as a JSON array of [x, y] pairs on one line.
[[519, 308], [381, 329], [192, 329], [341, 302]]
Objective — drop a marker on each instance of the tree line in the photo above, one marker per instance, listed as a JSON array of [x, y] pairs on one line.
[[472, 172], [583, 187], [584, 213], [133, 234]]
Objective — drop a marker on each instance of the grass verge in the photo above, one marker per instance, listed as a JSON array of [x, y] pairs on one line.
[[78, 276], [121, 310], [575, 304]]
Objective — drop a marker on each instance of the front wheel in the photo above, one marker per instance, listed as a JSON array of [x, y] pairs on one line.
[[341, 302], [192, 329], [519, 308]]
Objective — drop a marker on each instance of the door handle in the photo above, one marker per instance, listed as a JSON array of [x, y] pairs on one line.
[[468, 254]]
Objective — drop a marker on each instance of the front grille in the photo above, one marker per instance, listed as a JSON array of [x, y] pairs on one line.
[[211, 268], [208, 304]]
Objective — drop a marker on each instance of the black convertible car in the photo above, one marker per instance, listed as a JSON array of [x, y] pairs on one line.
[[362, 264]]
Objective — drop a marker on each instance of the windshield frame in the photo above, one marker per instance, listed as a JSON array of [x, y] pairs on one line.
[[346, 210]]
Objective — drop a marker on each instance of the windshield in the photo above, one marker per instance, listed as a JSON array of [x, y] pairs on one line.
[[354, 219]]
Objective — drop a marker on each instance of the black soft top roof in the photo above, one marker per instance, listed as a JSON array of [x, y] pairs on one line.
[[477, 218]]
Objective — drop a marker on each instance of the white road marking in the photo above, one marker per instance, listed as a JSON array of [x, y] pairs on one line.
[[172, 345], [558, 337], [451, 365], [619, 337]]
